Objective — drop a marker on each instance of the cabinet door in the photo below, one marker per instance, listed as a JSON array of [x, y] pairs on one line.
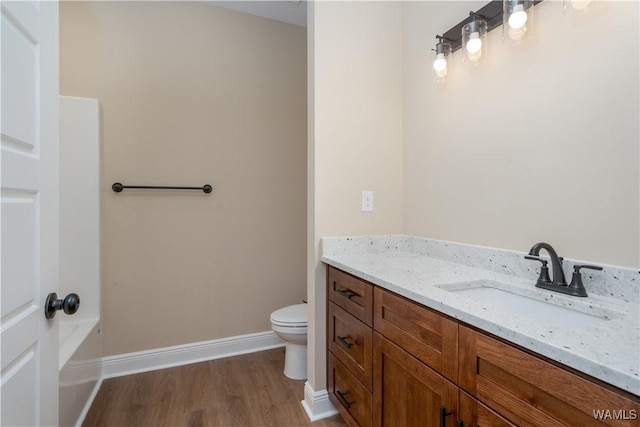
[[351, 341], [426, 334], [406, 392], [354, 295], [532, 392], [474, 414]]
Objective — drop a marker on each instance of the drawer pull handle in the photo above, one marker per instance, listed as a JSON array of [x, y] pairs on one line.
[[344, 342], [347, 293], [461, 423], [443, 416], [343, 399]]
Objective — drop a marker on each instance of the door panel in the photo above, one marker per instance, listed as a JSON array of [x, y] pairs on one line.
[[19, 73], [18, 264], [18, 384], [29, 212]]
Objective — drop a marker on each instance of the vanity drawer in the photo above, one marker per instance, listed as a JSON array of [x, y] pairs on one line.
[[530, 391], [429, 336], [474, 414], [350, 340], [352, 294], [351, 398]]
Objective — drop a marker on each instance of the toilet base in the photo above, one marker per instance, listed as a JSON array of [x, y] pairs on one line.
[[295, 361]]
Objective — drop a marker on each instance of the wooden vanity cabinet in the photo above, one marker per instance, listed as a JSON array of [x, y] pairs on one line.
[[473, 413], [393, 362], [406, 392], [424, 333], [530, 391], [349, 395], [350, 345], [352, 294], [351, 342]]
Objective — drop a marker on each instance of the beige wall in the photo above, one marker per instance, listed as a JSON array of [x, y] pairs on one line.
[[193, 94], [355, 137], [541, 143]]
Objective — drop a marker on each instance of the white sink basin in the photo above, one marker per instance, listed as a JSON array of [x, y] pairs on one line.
[[534, 305]]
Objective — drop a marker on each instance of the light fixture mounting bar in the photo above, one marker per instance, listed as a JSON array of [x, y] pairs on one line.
[[492, 14]]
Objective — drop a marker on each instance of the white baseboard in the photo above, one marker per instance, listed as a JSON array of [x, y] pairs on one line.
[[160, 358], [316, 403]]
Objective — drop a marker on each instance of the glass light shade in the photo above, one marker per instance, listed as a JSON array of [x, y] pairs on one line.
[[440, 66], [580, 4], [517, 19], [473, 39], [577, 7]]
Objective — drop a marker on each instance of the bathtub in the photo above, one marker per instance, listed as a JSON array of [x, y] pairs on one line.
[[79, 335], [80, 367]]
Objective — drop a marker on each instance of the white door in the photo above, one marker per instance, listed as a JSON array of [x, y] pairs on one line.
[[29, 212]]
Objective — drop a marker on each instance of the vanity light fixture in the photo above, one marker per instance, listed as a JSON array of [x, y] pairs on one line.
[[517, 18], [476, 25], [470, 33], [443, 50], [473, 36]]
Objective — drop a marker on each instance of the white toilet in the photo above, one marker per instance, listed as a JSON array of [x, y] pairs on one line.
[[290, 324]]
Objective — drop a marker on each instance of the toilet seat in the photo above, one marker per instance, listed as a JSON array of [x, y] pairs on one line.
[[293, 316]]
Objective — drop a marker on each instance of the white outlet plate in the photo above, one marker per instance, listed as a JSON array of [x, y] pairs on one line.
[[367, 201]]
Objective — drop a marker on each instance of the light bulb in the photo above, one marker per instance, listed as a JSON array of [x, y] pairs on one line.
[[518, 17], [580, 4], [440, 65], [474, 44]]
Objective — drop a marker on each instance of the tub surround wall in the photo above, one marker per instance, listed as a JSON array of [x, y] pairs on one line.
[[79, 335], [193, 94], [538, 143], [80, 209], [416, 267]]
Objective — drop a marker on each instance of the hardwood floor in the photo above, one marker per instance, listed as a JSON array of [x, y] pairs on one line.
[[248, 390]]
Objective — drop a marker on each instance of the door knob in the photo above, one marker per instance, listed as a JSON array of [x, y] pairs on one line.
[[69, 305]]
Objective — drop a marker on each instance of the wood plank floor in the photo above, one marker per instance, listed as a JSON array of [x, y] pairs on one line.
[[248, 390]]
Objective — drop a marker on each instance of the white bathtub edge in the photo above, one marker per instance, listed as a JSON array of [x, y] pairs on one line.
[[87, 405], [167, 357], [71, 344]]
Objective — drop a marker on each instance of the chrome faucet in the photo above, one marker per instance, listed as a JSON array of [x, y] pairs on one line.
[[559, 283]]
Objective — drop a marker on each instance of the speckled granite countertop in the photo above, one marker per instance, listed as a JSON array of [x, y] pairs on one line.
[[424, 270]]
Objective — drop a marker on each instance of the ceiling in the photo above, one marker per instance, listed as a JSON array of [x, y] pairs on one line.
[[289, 11]]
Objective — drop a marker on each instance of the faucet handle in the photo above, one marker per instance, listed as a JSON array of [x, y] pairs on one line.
[[576, 268], [576, 286], [537, 258], [544, 270]]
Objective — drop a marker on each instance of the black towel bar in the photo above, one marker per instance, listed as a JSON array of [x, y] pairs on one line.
[[118, 187]]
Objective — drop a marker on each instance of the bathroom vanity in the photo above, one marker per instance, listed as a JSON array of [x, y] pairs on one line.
[[405, 347]]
